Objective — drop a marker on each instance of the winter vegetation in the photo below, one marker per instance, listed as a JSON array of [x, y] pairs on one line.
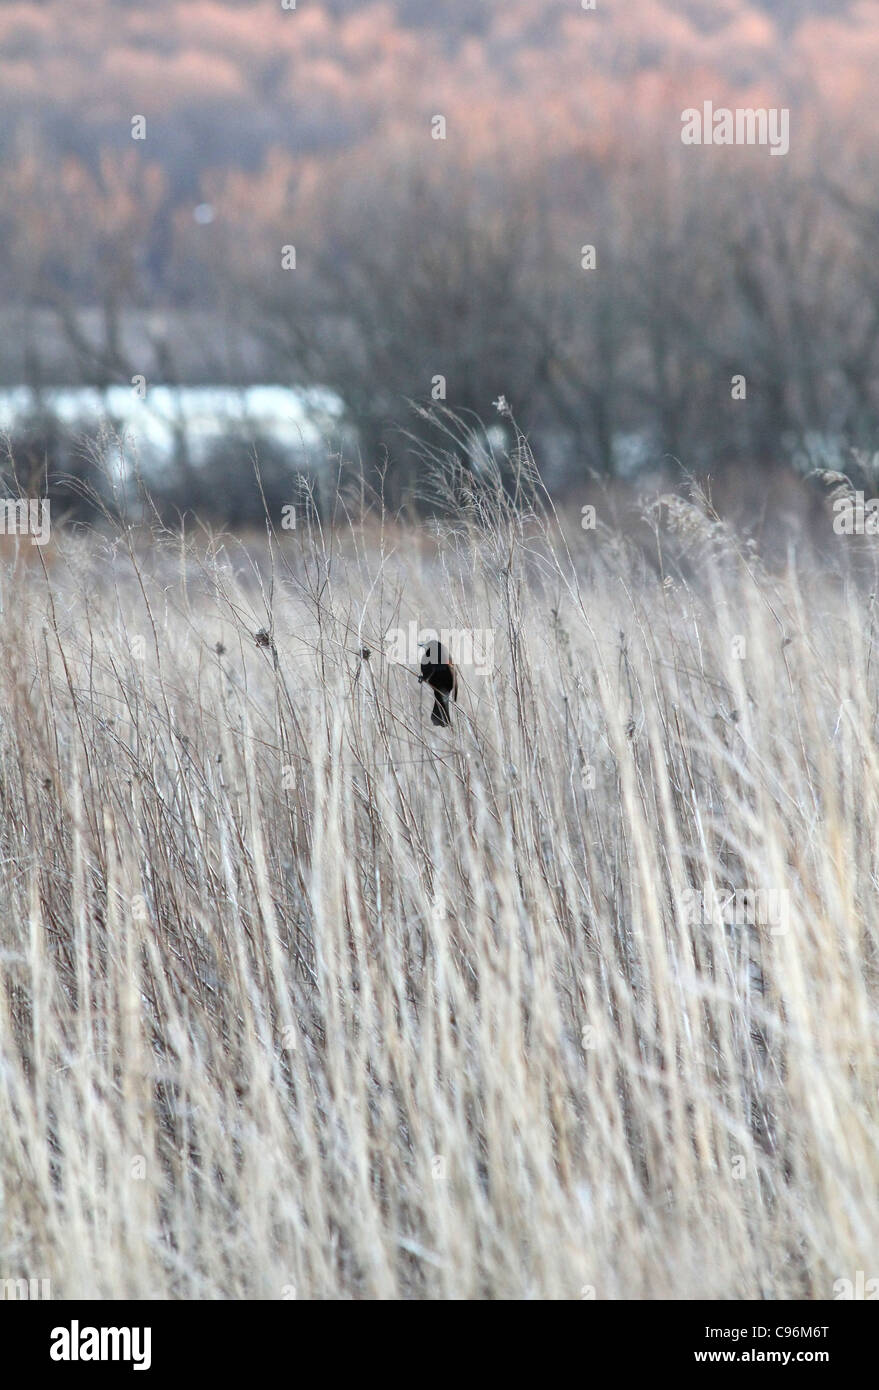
[[301, 996]]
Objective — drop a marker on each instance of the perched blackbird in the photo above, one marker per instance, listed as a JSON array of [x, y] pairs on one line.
[[438, 671]]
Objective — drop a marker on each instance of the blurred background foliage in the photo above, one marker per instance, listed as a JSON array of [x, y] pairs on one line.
[[458, 258]]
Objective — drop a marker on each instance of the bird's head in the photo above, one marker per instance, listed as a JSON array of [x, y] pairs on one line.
[[433, 653]]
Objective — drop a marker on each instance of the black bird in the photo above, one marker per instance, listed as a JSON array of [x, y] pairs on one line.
[[438, 671]]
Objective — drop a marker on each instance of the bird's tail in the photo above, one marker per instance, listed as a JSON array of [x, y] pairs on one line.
[[441, 714]]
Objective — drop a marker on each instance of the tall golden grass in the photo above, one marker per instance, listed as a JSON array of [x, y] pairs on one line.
[[301, 996]]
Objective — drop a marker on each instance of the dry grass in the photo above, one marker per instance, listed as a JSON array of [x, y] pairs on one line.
[[298, 993]]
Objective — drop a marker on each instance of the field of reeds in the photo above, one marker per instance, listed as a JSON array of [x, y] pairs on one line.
[[301, 996]]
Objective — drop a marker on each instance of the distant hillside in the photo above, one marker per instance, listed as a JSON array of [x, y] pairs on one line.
[[252, 113], [447, 257], [222, 85]]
